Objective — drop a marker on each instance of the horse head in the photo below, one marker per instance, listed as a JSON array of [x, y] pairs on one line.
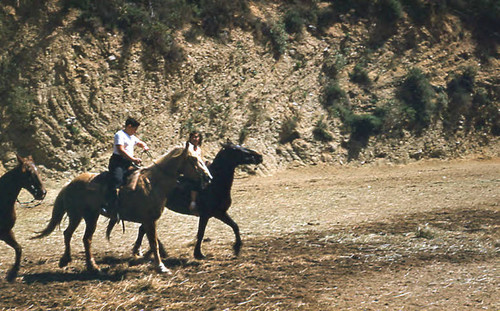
[[241, 155], [180, 161], [194, 168], [31, 180]]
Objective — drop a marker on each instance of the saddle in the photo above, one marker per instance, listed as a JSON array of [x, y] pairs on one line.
[[129, 180]]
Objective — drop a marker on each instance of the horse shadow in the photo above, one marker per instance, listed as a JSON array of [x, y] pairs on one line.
[[113, 272]]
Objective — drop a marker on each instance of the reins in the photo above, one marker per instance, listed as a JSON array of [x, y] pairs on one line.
[[29, 202]]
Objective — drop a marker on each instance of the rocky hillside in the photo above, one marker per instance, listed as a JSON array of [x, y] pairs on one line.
[[67, 86]]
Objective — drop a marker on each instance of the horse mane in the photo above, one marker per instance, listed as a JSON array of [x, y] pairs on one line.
[[167, 157]]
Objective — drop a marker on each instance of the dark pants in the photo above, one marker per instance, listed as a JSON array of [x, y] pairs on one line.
[[117, 167]]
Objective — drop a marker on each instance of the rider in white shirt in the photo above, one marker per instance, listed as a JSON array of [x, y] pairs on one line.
[[120, 162]]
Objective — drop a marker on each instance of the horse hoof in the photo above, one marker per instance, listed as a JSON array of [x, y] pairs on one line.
[[237, 249], [199, 256], [163, 269], [138, 254], [64, 261], [11, 275], [94, 270]]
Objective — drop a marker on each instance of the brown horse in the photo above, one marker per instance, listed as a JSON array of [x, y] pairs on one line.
[[84, 195], [215, 199], [24, 175]]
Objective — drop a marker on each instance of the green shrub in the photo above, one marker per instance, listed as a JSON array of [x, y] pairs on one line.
[[219, 14], [333, 95], [293, 21], [483, 14], [421, 12], [485, 114], [333, 64], [326, 17], [360, 7], [363, 126], [159, 38], [389, 11], [417, 94], [279, 38], [20, 105], [359, 75], [460, 91], [320, 131]]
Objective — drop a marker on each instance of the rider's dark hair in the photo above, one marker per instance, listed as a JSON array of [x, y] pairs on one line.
[[196, 133], [133, 122]]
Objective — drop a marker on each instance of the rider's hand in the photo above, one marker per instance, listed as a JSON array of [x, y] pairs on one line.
[[137, 161], [146, 148]]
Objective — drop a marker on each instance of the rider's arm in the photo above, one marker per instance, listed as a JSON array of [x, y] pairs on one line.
[[125, 155], [143, 145]]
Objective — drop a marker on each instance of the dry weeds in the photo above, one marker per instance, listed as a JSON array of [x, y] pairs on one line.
[[420, 236]]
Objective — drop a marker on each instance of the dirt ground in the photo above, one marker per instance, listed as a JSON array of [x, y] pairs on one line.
[[420, 236]]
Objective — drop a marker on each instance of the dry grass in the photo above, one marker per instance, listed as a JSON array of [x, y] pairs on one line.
[[423, 236]]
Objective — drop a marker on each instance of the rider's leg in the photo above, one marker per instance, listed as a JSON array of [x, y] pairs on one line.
[[111, 205], [192, 206]]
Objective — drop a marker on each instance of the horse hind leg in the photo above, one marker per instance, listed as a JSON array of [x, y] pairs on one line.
[[136, 251], [11, 241], [91, 224], [225, 218], [68, 234]]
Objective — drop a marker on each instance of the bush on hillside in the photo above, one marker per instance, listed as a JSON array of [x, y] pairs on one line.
[[333, 65], [360, 75], [417, 97], [320, 131], [460, 91], [293, 21], [389, 11], [333, 95]]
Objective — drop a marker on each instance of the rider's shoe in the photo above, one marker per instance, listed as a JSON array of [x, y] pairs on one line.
[[193, 209], [110, 209]]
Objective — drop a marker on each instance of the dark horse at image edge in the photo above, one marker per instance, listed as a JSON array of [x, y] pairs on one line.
[[24, 175], [215, 199]]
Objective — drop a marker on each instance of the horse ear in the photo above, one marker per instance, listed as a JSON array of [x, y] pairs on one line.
[[20, 159]]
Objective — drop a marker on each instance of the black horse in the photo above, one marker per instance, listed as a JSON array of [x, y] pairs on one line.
[[215, 199], [24, 175]]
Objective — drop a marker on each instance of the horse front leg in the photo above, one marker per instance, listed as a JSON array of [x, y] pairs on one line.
[[68, 234], [153, 244], [136, 251], [91, 224], [202, 225], [225, 218], [11, 241]]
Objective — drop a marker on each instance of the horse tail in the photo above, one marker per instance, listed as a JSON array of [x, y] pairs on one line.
[[57, 215]]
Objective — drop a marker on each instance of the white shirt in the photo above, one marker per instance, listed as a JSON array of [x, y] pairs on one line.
[[201, 162], [128, 142]]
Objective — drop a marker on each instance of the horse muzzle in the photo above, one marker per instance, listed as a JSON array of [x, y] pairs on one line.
[[39, 194]]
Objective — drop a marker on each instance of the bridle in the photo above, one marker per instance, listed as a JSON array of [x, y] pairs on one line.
[[29, 202]]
